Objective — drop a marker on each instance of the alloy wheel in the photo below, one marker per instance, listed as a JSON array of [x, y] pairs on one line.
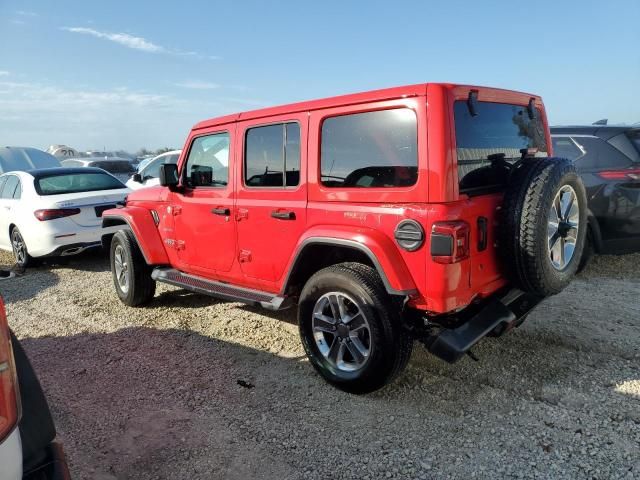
[[121, 268], [562, 229], [341, 332]]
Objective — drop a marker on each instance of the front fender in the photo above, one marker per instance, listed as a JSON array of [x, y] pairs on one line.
[[141, 224], [380, 249]]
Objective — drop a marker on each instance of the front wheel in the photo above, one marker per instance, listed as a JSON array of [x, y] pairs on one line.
[[131, 274], [351, 328]]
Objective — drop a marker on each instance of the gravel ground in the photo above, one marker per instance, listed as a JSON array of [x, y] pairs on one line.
[[154, 393]]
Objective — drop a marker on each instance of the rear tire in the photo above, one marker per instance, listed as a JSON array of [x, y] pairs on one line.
[[131, 274], [544, 225], [351, 328], [20, 251]]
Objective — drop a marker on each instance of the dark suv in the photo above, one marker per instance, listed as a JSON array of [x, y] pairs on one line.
[[607, 158]]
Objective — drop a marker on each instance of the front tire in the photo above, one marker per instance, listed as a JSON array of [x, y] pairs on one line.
[[131, 274], [351, 328], [19, 247]]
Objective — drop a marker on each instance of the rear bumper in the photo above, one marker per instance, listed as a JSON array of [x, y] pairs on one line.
[[494, 317], [53, 467], [68, 242]]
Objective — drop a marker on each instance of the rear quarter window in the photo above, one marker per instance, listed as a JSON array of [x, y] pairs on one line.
[[600, 155], [370, 150], [497, 129]]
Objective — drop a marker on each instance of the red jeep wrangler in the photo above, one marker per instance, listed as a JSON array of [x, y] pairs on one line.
[[431, 212]]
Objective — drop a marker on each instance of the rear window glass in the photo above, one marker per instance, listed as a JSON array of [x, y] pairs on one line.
[[114, 166], [76, 182], [498, 128], [370, 150], [634, 136]]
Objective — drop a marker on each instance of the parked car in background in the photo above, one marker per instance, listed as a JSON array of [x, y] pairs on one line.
[[147, 174], [55, 211], [25, 158], [607, 158], [121, 168], [28, 449], [62, 151]]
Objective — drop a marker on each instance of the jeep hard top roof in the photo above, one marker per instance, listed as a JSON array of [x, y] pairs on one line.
[[363, 97]]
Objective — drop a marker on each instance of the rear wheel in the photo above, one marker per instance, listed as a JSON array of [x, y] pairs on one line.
[[131, 274], [351, 328], [19, 247]]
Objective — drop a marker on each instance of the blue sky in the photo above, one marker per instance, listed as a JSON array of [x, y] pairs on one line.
[[131, 74]]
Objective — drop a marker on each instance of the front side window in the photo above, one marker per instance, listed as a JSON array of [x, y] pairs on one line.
[[208, 161], [495, 135], [272, 156], [370, 150], [10, 186]]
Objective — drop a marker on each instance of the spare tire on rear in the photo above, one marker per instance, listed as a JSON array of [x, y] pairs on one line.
[[544, 225]]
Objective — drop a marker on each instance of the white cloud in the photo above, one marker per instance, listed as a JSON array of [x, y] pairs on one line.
[[125, 39], [37, 114], [198, 85], [3, 73], [136, 43], [25, 13]]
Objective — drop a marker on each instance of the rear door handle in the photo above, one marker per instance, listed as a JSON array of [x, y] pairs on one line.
[[283, 214], [221, 211]]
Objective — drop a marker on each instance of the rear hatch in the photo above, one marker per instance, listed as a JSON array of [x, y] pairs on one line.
[[91, 204], [489, 139]]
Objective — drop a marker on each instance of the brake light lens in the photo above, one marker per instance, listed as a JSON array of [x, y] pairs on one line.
[[8, 380], [626, 174], [53, 213], [450, 241]]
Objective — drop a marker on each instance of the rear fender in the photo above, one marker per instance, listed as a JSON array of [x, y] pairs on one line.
[[141, 224], [379, 248]]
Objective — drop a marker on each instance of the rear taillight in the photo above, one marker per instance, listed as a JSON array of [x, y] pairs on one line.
[[8, 380], [450, 241], [626, 174], [53, 213]]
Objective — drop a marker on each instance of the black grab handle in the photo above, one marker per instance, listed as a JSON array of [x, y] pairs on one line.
[[283, 215]]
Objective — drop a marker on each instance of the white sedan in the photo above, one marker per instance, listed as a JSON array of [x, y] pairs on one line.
[[149, 173], [55, 211]]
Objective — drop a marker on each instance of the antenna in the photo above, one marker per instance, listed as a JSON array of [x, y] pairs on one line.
[[601, 122]]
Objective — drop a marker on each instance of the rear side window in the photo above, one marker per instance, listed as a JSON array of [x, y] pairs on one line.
[[370, 150], [10, 187], [76, 182], [208, 161], [599, 155], [272, 156], [496, 134], [565, 147]]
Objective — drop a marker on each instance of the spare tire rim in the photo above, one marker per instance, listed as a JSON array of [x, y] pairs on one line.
[[121, 269], [341, 332], [562, 230]]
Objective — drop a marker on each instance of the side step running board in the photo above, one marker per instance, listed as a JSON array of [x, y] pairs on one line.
[[220, 290]]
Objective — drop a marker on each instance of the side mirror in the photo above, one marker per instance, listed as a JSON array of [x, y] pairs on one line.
[[136, 177], [169, 175]]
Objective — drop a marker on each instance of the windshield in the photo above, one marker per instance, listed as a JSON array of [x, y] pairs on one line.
[[634, 136], [76, 182]]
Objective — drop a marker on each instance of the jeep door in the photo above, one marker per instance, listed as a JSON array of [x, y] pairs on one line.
[[271, 195], [203, 209]]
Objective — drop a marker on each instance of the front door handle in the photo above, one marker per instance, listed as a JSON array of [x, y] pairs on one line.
[[283, 214], [221, 211]]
